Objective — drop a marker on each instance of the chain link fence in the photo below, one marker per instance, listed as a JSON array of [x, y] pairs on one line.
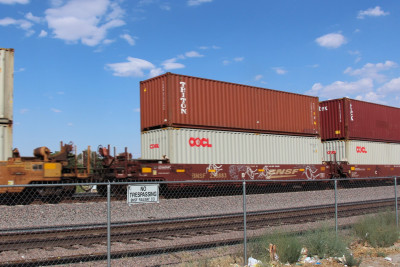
[[177, 223]]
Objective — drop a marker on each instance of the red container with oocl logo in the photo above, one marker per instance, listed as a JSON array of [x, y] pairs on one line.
[[173, 100], [349, 119]]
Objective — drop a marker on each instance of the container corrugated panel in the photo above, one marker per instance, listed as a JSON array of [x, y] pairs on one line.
[[6, 84], [173, 100], [5, 141], [198, 146], [350, 119], [362, 152]]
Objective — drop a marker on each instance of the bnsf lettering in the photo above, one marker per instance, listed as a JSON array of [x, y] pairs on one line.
[[199, 142], [183, 98], [283, 171], [153, 146], [361, 149], [198, 175]]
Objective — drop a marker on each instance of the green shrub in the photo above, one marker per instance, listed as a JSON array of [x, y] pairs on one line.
[[288, 247], [325, 243], [351, 261], [378, 230]]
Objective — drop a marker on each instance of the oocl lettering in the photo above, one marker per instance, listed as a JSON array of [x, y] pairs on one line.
[[199, 142], [183, 98], [361, 149], [153, 146], [323, 108]]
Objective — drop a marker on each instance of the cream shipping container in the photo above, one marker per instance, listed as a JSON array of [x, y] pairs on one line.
[[198, 146], [362, 152]]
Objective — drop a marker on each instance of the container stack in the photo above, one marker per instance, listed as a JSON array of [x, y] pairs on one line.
[[359, 132], [200, 121], [6, 102]]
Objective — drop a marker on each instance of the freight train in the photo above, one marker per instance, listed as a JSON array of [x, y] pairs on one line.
[[196, 129]]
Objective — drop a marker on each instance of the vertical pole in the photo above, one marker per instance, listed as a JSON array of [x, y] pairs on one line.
[[336, 209], [244, 223], [395, 201], [109, 225]]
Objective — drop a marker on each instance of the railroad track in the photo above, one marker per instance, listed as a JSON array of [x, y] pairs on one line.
[[140, 232]]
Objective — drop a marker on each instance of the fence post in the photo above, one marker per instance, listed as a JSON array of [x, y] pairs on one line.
[[395, 201], [109, 225], [244, 223], [336, 209]]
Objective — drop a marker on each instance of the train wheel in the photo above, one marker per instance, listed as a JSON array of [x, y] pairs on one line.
[[52, 195]]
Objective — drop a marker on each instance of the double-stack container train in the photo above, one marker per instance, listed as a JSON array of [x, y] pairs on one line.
[[363, 138], [195, 129]]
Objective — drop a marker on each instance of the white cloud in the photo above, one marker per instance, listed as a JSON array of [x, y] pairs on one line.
[[357, 54], [171, 64], [236, 59], [56, 110], [197, 2], [258, 77], [193, 54], [11, 2], [371, 97], [136, 110], [43, 33], [128, 38], [209, 47], [165, 7], [108, 41], [23, 111], [371, 71], [155, 72], [20, 23], [87, 21], [339, 88], [20, 70], [133, 67], [372, 12], [331, 40], [391, 86], [280, 70], [33, 18]]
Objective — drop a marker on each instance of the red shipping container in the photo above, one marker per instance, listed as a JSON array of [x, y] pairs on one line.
[[172, 100], [350, 119]]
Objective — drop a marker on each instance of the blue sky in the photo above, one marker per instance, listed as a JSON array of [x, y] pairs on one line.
[[78, 63]]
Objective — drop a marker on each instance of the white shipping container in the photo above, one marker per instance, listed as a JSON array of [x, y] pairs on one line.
[[362, 152], [195, 146], [5, 141], [6, 84]]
